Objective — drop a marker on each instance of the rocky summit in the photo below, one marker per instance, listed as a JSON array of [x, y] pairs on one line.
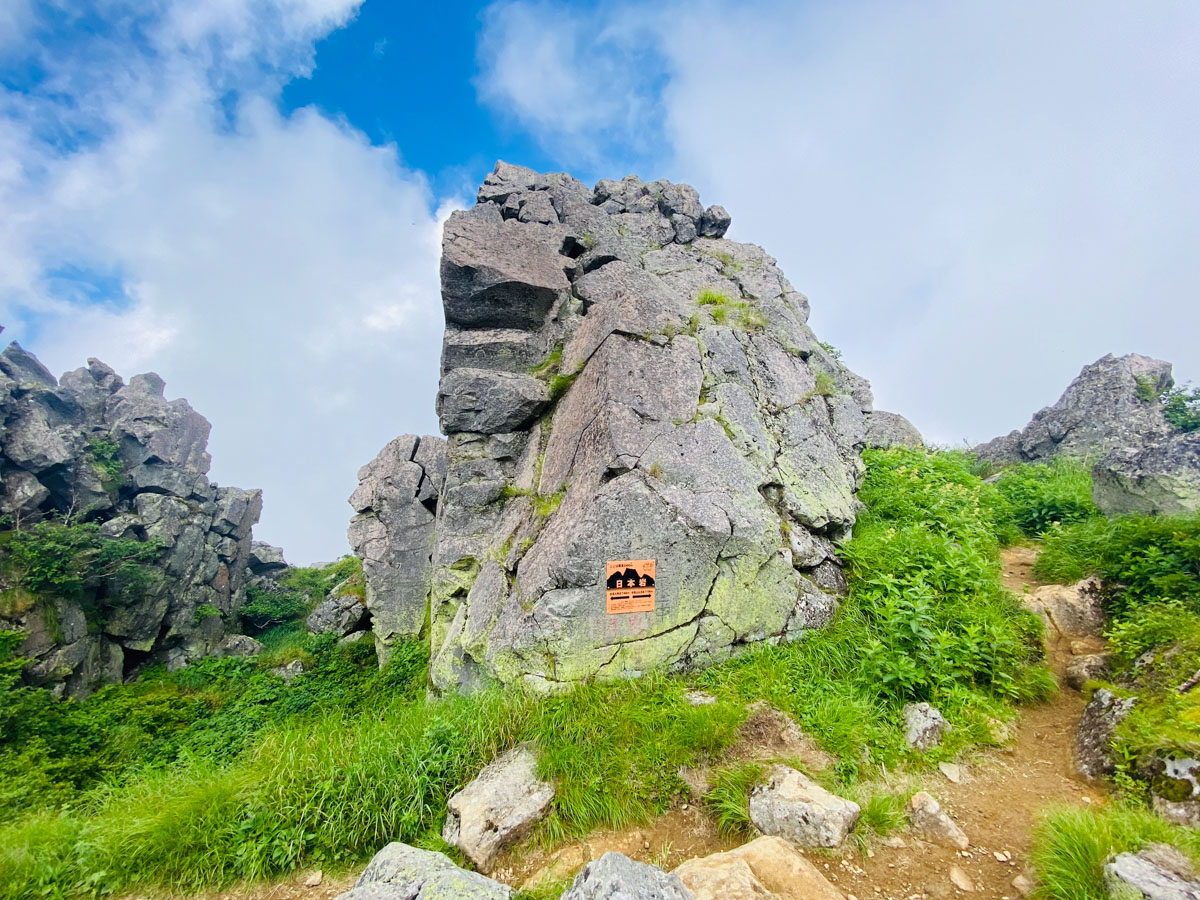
[[89, 448], [619, 382], [1103, 409]]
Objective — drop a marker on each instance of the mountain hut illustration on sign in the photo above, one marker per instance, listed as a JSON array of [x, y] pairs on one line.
[[629, 586]]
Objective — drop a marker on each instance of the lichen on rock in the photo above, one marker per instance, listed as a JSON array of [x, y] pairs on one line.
[[619, 381]]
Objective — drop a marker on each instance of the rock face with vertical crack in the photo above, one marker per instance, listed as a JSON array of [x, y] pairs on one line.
[[98, 452], [619, 381]]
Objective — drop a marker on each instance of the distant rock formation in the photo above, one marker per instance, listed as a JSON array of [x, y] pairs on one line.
[[618, 382], [90, 448], [1111, 415], [1102, 410]]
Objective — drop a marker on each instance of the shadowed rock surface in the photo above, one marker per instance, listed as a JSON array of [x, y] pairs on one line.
[[1100, 411], [618, 382], [92, 448]]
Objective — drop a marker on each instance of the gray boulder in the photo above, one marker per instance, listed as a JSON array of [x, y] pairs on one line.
[[1085, 668], [615, 876], [238, 645], [618, 383], [401, 872], [498, 808], [924, 726], [791, 805], [1157, 872], [930, 823], [1101, 410], [1093, 739], [340, 613], [1161, 478], [266, 559], [887, 429]]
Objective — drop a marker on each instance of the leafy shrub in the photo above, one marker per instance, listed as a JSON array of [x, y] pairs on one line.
[[925, 567], [1181, 407], [1043, 494], [106, 459], [1155, 624], [68, 561], [1180, 404], [265, 608]]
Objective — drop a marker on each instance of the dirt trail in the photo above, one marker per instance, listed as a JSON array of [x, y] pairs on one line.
[[999, 798]]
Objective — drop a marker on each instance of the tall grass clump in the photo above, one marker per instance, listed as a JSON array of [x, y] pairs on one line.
[[1041, 495], [1071, 845], [1138, 558]]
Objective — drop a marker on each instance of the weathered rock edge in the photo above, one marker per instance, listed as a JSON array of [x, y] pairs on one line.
[[618, 382], [90, 448]]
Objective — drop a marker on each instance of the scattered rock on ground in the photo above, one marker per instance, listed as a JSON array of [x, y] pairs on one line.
[[791, 805], [1157, 872], [699, 698], [953, 771], [1023, 885], [961, 880], [498, 808], [924, 726], [289, 671], [615, 876], [930, 823], [401, 872], [767, 868], [1089, 667], [1093, 740], [1072, 610]]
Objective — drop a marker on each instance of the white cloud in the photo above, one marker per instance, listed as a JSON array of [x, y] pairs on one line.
[[279, 272], [978, 198]]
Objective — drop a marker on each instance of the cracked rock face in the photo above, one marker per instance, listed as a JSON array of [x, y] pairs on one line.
[[619, 382], [90, 446], [1100, 411]]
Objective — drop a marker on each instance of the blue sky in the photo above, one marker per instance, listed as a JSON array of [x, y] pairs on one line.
[[246, 195]]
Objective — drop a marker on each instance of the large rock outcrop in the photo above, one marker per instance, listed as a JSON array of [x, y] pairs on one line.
[[1107, 408], [1157, 479], [618, 382], [90, 448]]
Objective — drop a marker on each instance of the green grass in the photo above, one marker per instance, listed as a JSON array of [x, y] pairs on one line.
[[728, 798], [1042, 495], [220, 772], [1071, 845], [1140, 559]]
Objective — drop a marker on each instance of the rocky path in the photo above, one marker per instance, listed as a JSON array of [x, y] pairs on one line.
[[996, 803]]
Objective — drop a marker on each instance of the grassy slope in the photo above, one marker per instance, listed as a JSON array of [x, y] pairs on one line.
[[365, 758]]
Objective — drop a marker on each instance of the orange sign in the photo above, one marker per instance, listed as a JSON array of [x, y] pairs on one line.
[[629, 586]]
